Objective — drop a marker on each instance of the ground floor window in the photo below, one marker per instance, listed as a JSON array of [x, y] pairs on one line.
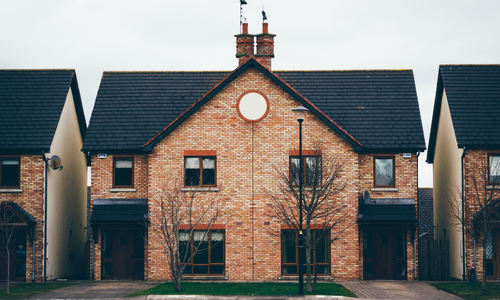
[[290, 253], [209, 248]]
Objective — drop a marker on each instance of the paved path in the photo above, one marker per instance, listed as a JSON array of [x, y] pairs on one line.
[[396, 290], [97, 290]]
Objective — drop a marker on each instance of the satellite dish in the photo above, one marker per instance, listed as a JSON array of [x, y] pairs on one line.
[[366, 197], [55, 163]]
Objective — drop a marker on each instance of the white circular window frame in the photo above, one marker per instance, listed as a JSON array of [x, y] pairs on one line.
[[253, 106]]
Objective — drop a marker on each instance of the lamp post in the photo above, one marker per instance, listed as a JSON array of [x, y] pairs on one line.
[[300, 113]]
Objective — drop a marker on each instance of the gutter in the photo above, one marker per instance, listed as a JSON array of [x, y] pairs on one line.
[[463, 216], [33, 263]]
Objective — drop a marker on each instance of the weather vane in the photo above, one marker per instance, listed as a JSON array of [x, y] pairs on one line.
[[264, 17], [242, 2]]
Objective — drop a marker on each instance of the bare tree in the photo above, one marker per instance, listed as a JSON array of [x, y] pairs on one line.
[[7, 221], [184, 224], [479, 213], [325, 212]]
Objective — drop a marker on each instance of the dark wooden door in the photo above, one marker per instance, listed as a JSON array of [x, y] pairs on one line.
[[384, 256], [123, 256], [496, 253], [17, 250]]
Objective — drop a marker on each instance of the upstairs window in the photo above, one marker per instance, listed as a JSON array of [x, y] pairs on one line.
[[384, 171], [311, 170], [123, 172], [200, 171], [494, 168], [9, 172]]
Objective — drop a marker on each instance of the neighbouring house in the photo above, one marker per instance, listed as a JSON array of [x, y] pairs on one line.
[[464, 148], [42, 126], [233, 128], [425, 213]]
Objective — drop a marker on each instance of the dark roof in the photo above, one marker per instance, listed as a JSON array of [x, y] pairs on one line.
[[473, 93], [19, 212], [378, 107], [31, 102], [372, 110], [120, 210], [425, 210], [384, 213]]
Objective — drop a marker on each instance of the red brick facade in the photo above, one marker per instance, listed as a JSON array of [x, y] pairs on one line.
[[30, 198], [246, 156]]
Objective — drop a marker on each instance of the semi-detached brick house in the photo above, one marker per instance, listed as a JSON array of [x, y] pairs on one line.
[[41, 116], [150, 125], [464, 142]]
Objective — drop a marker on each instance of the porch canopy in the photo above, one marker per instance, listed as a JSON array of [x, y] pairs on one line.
[[387, 211], [133, 210], [14, 216]]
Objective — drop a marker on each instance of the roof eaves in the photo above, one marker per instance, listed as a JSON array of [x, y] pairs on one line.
[[435, 118]]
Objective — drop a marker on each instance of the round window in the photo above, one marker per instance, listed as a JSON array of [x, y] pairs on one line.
[[253, 106]]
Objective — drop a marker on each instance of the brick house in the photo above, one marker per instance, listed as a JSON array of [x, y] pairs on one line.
[[41, 116], [463, 142], [146, 126]]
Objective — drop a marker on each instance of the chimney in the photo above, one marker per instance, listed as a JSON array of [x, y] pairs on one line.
[[265, 46], [244, 45]]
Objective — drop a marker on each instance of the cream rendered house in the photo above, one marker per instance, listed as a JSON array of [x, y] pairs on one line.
[[41, 117], [464, 135]]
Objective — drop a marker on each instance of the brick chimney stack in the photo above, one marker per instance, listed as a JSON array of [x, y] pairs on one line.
[[244, 45], [265, 46]]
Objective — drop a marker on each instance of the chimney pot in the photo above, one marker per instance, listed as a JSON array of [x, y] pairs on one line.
[[265, 27], [245, 28]]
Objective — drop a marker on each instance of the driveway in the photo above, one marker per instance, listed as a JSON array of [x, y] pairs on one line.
[[396, 290], [97, 290]]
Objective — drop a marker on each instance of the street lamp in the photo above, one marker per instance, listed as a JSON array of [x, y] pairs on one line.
[[300, 113]]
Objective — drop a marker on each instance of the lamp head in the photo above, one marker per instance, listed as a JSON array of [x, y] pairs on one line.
[[300, 112]]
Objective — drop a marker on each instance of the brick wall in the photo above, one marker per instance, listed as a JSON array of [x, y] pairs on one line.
[[31, 200]]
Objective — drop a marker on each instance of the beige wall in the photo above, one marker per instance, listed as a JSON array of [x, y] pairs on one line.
[[67, 192], [447, 186]]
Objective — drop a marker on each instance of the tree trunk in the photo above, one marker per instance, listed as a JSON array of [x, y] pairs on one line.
[[178, 284], [483, 288], [315, 277], [308, 258]]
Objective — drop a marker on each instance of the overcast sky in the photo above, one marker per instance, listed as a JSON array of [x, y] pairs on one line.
[[181, 35]]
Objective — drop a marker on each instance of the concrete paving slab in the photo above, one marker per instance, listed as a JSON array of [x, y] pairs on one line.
[[98, 290], [396, 290]]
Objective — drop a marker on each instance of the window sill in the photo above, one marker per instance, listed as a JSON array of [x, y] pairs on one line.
[[118, 190], [200, 189], [11, 190], [491, 187], [204, 277], [295, 278], [384, 190]]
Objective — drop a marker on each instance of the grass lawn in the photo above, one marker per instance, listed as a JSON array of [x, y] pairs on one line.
[[23, 290], [244, 289], [470, 290]]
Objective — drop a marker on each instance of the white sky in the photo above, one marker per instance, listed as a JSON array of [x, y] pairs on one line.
[[170, 35]]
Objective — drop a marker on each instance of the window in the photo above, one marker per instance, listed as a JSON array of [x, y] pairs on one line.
[[200, 171], [384, 171], [209, 259], [290, 250], [494, 168], [311, 170], [9, 172], [123, 172]]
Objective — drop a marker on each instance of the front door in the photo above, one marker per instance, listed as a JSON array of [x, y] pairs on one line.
[[122, 254], [384, 254]]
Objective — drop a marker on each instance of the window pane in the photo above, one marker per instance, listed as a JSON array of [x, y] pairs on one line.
[[200, 269], [123, 172], [10, 172], [216, 269], [138, 245], [368, 269], [289, 270], [201, 256], [289, 247], [20, 269], [322, 251], [489, 268], [106, 244], [324, 270], [401, 245], [383, 171], [367, 245], [208, 171], [139, 269], [489, 246], [294, 170], [495, 168], [106, 269], [192, 171], [401, 269], [312, 167]]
